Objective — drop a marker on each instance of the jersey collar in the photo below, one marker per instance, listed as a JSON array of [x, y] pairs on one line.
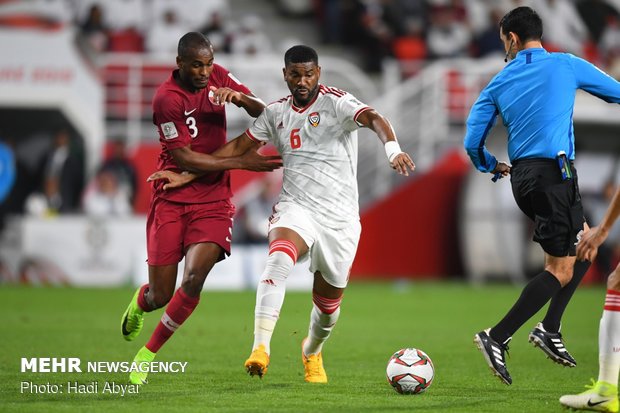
[[535, 50]]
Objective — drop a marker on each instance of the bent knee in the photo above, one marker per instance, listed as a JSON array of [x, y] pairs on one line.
[[193, 282], [563, 275]]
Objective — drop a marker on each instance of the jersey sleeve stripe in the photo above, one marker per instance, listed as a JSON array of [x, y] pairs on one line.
[[359, 112], [254, 138]]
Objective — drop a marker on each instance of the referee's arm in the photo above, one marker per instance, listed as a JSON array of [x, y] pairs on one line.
[[480, 121], [594, 81]]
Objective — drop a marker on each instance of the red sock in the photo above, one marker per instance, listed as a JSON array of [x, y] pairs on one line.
[[179, 308], [142, 299]]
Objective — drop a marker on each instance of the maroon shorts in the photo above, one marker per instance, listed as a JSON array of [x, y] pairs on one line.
[[172, 227]]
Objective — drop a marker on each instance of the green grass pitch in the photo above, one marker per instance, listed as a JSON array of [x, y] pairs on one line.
[[376, 320]]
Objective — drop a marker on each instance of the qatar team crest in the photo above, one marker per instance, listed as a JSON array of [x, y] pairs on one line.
[[314, 118]]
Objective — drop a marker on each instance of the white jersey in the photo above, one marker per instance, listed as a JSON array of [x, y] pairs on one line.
[[318, 145]]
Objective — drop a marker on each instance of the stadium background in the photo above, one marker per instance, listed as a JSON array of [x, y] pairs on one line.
[[420, 63], [91, 69]]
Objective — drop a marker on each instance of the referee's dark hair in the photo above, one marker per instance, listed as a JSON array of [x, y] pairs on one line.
[[524, 22], [192, 40], [301, 54]]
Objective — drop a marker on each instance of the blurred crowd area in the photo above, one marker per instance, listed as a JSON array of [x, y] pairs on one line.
[[436, 29], [408, 30], [50, 174]]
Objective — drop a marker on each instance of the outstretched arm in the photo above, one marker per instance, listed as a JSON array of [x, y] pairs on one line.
[[591, 240], [252, 105], [398, 159], [239, 153], [238, 146]]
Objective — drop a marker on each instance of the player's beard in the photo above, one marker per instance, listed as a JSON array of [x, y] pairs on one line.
[[302, 101]]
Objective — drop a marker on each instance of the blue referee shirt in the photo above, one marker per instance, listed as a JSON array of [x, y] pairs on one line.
[[535, 95]]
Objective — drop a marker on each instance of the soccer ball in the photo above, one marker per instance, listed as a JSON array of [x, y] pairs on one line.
[[410, 371]]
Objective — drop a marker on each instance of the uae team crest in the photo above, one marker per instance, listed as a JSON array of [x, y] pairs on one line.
[[314, 118]]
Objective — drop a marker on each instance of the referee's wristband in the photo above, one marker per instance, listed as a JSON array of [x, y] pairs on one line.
[[392, 149]]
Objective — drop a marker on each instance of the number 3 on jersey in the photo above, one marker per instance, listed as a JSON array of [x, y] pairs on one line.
[[295, 139], [191, 124]]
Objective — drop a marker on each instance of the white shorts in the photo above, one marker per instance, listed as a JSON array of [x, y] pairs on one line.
[[331, 251]]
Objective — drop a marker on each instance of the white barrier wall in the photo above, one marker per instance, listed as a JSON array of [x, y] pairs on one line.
[[42, 69], [83, 251]]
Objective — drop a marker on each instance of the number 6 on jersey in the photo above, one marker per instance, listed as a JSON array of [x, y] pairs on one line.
[[295, 139]]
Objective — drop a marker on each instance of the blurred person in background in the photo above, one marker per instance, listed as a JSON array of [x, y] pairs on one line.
[[595, 15], [564, 29], [250, 39], [93, 32], [215, 30], [119, 164], [535, 95], [258, 209], [411, 45], [106, 197], [447, 36], [487, 42], [62, 179], [193, 222], [610, 45], [162, 35], [602, 394]]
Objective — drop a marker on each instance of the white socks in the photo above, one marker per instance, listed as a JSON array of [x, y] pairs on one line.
[[321, 326], [271, 290], [609, 339], [323, 318]]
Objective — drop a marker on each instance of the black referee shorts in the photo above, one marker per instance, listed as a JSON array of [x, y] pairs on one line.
[[552, 203]]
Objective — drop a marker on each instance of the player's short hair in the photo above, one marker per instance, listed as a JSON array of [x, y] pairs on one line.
[[301, 54], [524, 22], [191, 41]]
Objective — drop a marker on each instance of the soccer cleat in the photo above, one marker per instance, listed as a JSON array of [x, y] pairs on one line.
[[552, 345], [313, 367], [600, 396], [144, 356], [258, 362], [493, 353], [133, 318]]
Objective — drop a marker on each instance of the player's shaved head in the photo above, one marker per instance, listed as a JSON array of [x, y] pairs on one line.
[[301, 54], [192, 41]]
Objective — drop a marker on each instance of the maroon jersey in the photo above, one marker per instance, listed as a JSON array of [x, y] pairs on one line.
[[184, 118]]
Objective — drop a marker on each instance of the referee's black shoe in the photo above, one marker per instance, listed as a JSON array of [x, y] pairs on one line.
[[552, 344], [494, 354]]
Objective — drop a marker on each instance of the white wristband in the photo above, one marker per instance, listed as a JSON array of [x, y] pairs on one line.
[[392, 148]]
